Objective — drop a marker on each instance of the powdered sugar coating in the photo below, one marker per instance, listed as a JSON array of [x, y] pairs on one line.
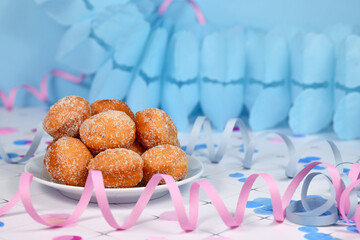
[[111, 104], [66, 161], [65, 117], [106, 130], [121, 168], [155, 127], [165, 159]]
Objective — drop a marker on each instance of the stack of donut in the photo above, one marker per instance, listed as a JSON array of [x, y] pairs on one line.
[[106, 136]]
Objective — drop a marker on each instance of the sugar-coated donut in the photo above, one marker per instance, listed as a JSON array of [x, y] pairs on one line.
[[120, 167], [111, 129], [165, 159], [66, 116], [137, 147], [111, 104], [155, 127], [66, 161]]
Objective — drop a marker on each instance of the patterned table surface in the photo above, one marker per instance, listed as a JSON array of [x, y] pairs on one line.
[[17, 129]]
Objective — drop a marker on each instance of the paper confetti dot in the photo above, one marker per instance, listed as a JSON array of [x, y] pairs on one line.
[[2, 224], [7, 130], [67, 237], [299, 135], [56, 218], [276, 140], [12, 155], [242, 179], [319, 236], [263, 201], [308, 229], [47, 142], [309, 159], [346, 170], [33, 130], [252, 204], [236, 175], [263, 210], [22, 142], [352, 229]]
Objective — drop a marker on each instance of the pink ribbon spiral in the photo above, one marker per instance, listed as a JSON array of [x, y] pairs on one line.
[[188, 223], [42, 94]]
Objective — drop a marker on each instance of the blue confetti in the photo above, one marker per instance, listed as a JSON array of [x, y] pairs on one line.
[[319, 236], [242, 150], [299, 135], [198, 146], [263, 210], [314, 196], [263, 201], [12, 155], [309, 159], [308, 229], [22, 142], [346, 170], [2, 224], [242, 179], [236, 175], [252, 204], [352, 229]]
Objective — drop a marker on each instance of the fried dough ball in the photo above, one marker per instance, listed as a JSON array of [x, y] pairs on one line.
[[120, 167], [137, 147], [155, 127], [111, 104], [165, 159], [111, 129], [66, 116], [66, 161]]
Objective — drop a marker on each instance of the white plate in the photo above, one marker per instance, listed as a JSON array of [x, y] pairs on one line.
[[36, 167]]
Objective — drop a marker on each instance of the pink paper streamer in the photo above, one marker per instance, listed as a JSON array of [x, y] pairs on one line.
[[42, 94], [188, 223], [199, 15]]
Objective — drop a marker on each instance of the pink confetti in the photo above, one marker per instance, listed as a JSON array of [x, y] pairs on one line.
[[21, 156], [169, 216], [47, 142], [67, 237], [8, 130], [55, 218], [276, 140]]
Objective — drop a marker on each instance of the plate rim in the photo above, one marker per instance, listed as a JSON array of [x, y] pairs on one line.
[[63, 187]]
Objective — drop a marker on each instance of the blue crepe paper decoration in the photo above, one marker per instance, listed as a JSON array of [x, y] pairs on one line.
[[222, 87]]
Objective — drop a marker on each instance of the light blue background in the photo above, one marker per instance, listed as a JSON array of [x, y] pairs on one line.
[[29, 39]]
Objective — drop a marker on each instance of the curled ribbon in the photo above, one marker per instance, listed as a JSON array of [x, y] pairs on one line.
[[280, 205], [42, 94], [216, 156], [199, 15]]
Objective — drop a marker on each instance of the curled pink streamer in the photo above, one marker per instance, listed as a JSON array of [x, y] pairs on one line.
[[199, 15], [188, 223], [42, 94]]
